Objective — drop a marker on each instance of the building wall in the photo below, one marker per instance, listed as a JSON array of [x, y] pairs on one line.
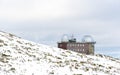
[[78, 47], [86, 48], [91, 48], [62, 45]]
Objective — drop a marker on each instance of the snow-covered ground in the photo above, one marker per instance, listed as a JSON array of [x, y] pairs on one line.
[[22, 57]]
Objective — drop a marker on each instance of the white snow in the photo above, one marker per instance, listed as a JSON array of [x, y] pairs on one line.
[[22, 57]]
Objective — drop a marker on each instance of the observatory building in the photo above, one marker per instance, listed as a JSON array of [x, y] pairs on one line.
[[86, 46]]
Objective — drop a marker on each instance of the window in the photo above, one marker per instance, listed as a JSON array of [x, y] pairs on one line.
[[83, 50], [83, 44], [68, 45]]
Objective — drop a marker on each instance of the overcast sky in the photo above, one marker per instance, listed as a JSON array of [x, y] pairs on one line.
[[45, 21]]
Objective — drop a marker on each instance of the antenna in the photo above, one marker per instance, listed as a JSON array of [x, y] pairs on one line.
[[72, 39]]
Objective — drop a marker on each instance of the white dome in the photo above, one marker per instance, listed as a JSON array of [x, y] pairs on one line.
[[87, 38], [65, 38]]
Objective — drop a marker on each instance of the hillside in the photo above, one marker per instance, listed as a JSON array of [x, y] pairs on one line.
[[22, 57]]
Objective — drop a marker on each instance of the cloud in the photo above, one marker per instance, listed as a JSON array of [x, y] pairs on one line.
[[33, 9], [45, 10], [52, 18]]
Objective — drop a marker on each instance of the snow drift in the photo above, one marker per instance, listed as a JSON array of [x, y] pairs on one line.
[[22, 57]]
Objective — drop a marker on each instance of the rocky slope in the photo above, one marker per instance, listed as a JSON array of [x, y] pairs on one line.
[[22, 57]]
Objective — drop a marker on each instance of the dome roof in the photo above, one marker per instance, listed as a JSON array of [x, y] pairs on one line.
[[64, 38], [87, 38]]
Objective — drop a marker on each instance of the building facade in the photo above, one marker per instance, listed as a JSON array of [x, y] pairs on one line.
[[85, 47]]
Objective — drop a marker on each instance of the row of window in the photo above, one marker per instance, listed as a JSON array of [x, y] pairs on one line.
[[78, 45], [79, 50]]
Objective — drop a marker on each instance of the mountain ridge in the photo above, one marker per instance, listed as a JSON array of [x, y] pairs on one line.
[[22, 57]]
